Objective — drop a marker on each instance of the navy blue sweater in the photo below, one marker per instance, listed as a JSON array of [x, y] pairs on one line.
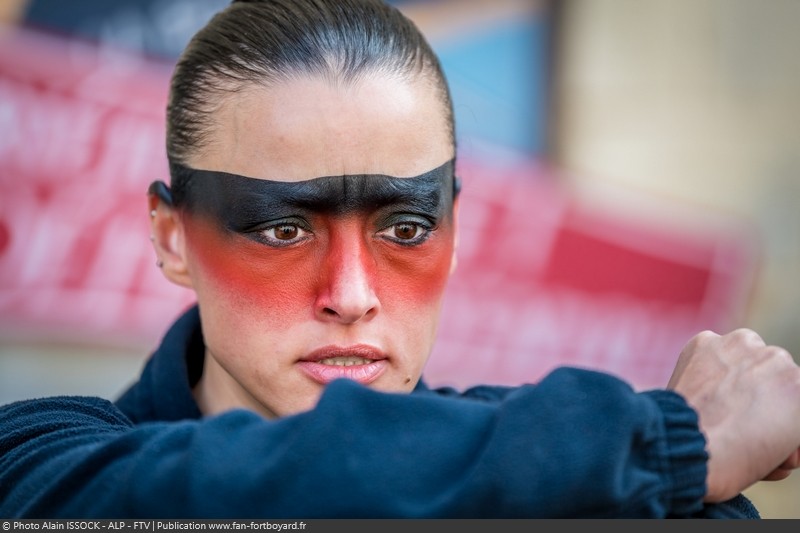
[[577, 444]]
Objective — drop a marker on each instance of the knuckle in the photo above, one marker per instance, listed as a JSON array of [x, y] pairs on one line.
[[705, 336], [746, 336], [699, 340], [778, 352], [707, 333]]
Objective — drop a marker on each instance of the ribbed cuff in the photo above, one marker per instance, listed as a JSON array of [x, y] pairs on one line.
[[685, 452]]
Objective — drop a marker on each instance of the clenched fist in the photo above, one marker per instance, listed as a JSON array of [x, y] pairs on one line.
[[747, 396]]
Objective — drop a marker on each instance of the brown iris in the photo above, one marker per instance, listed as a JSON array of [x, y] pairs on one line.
[[405, 231], [286, 232]]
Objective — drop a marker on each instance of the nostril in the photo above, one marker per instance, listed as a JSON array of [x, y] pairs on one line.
[[329, 312]]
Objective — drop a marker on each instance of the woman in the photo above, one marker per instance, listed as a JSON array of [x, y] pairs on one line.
[[313, 210]]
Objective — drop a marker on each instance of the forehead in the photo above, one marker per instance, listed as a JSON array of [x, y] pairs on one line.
[[306, 127]]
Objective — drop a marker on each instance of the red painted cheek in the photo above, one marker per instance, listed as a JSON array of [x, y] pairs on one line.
[[416, 274], [247, 273], [287, 281]]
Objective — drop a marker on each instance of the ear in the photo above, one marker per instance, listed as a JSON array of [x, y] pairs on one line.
[[167, 234], [454, 259]]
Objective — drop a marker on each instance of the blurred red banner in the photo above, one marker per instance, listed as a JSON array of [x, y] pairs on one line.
[[83, 136], [545, 279]]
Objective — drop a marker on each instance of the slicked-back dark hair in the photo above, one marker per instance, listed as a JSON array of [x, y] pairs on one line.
[[266, 41]]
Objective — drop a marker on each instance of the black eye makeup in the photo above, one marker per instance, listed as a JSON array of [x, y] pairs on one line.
[[279, 212]]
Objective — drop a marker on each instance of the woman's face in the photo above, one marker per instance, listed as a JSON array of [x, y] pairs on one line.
[[315, 262]]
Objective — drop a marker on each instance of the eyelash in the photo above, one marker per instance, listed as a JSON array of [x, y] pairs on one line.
[[268, 236], [423, 230]]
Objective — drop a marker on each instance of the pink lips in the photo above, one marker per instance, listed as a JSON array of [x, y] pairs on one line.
[[370, 363]]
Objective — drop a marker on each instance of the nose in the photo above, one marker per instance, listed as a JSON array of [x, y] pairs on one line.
[[347, 286]]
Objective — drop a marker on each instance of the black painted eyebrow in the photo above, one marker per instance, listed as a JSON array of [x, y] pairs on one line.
[[243, 202]]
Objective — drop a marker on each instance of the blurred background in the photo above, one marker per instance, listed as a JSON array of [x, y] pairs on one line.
[[631, 176]]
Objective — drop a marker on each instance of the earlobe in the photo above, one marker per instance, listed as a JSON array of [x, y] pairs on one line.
[[166, 232]]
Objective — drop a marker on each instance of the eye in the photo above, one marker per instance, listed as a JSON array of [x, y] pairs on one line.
[[284, 234], [408, 232]]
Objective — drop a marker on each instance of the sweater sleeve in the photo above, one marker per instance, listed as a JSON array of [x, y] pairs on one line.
[[578, 444]]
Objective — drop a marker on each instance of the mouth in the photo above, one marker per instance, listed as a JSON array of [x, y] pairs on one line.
[[361, 363]]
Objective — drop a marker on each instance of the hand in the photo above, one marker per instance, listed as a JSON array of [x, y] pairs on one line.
[[747, 397], [785, 469]]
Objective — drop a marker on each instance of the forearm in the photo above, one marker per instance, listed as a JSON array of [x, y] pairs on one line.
[[366, 454]]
